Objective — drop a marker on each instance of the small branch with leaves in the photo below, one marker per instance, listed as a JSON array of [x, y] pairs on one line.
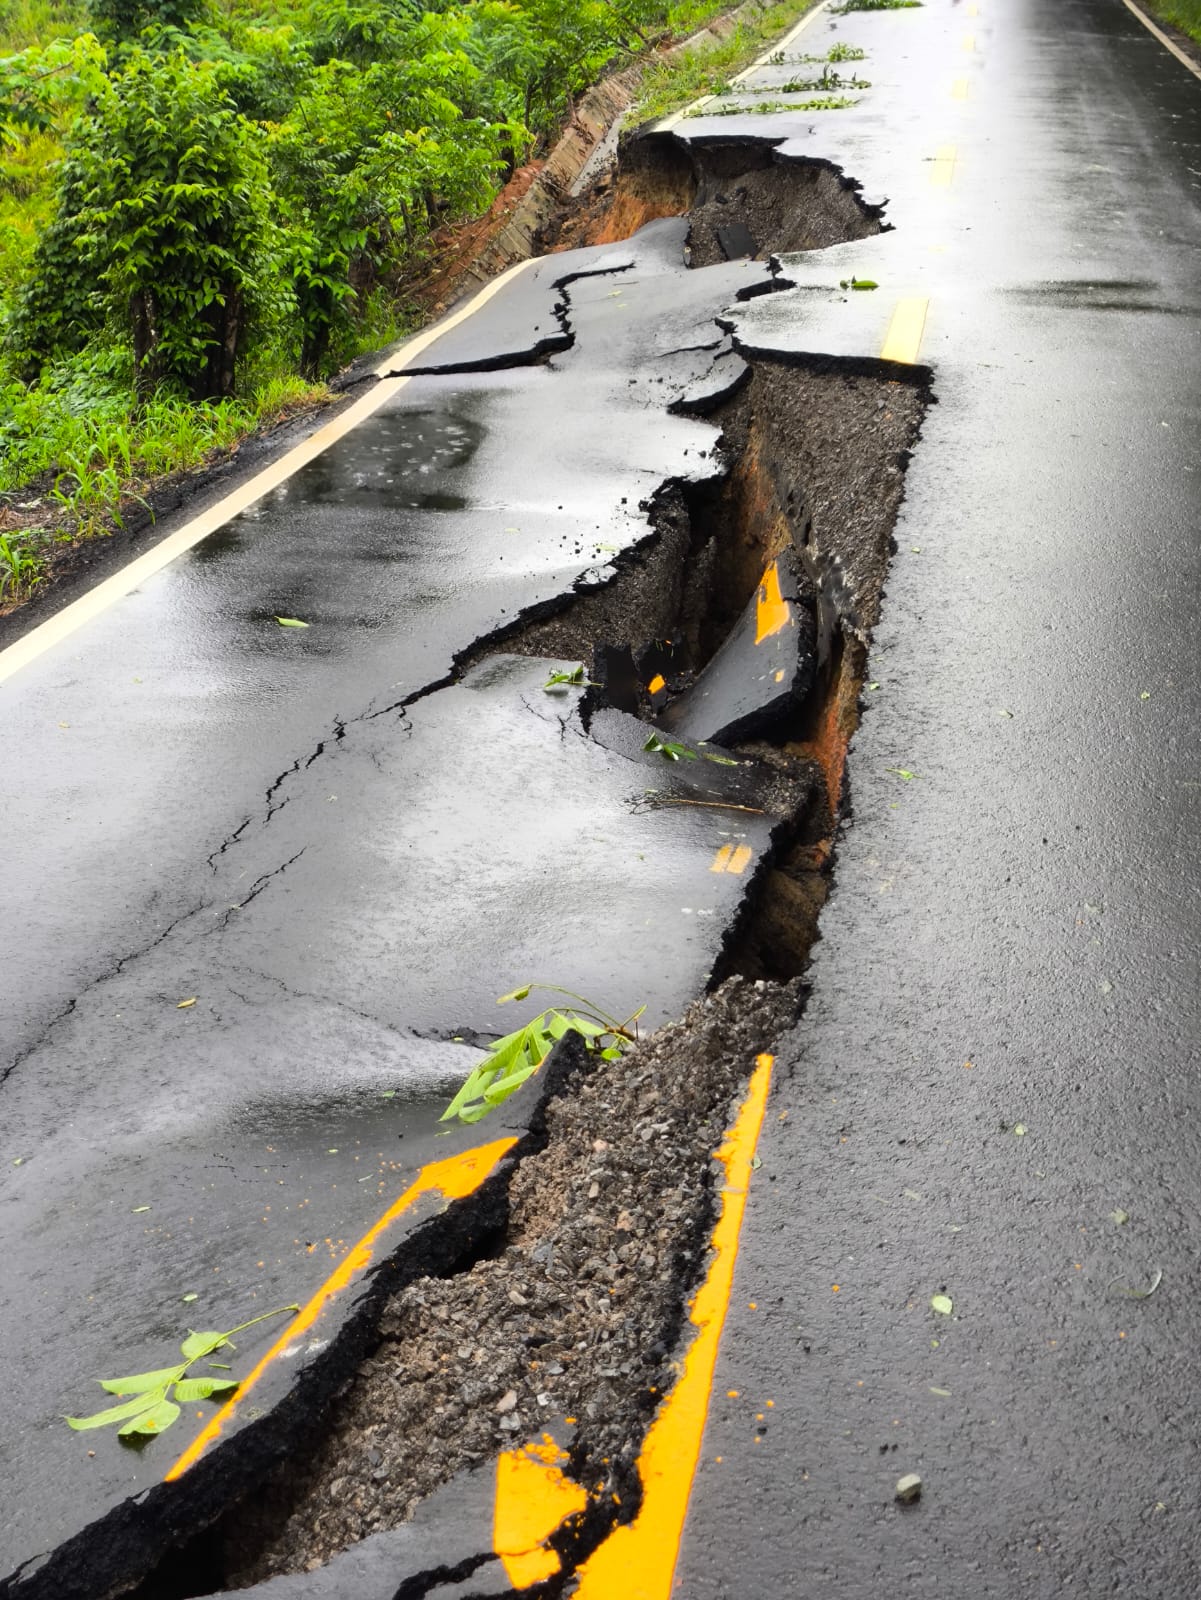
[[673, 750], [518, 1055], [152, 1410]]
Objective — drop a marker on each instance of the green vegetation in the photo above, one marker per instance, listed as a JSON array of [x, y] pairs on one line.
[[206, 207], [873, 5], [1182, 14], [708, 68], [733, 108], [673, 750], [518, 1055], [152, 1410]]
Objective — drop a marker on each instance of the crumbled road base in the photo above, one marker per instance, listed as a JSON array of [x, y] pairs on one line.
[[577, 1316]]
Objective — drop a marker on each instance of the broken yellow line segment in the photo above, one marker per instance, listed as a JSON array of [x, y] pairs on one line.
[[456, 1177], [904, 337], [638, 1561]]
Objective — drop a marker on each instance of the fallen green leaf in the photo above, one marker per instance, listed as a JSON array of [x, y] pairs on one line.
[[1120, 1217], [903, 772], [942, 1303], [944, 1393], [1019, 1129], [1146, 695], [184, 1004], [291, 622], [560, 682], [756, 1162], [154, 1419], [140, 1383], [188, 1298], [189, 1389], [137, 1210]]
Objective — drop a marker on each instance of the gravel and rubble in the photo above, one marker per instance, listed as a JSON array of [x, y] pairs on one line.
[[577, 1315]]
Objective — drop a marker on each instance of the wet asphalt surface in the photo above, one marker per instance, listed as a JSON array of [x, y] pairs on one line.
[[1000, 1054], [335, 855], [342, 863]]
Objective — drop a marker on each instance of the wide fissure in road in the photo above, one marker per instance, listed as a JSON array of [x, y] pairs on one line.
[[277, 877]]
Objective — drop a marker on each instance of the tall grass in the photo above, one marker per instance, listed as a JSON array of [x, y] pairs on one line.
[[86, 464], [26, 22], [1182, 14], [708, 67]]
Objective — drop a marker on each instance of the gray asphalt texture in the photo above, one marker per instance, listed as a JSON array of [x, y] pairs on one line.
[[1012, 939]]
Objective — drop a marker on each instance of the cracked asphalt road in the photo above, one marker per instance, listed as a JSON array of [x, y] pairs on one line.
[[1025, 902], [332, 848]]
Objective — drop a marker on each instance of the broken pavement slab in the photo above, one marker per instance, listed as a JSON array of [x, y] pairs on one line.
[[761, 673], [269, 1093]]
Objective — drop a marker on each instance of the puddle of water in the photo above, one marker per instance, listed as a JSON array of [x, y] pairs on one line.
[[396, 459]]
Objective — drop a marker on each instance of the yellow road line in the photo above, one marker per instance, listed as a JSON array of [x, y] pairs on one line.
[[772, 611], [1169, 44], [959, 89], [943, 167], [114, 588], [455, 1178], [732, 858], [904, 337], [533, 1496], [637, 1561], [969, 41], [972, 10]]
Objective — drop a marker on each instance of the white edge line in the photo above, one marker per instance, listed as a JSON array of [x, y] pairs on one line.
[[65, 622], [666, 123], [1169, 44]]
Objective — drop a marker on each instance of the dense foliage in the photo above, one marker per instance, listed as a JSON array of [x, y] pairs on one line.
[[192, 190]]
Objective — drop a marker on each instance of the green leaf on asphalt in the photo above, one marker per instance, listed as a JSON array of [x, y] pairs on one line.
[[202, 1344], [944, 1394], [560, 682], [1119, 1216], [101, 1419], [515, 994], [942, 1303], [1019, 1129], [141, 1382], [150, 1411], [154, 1420], [189, 1389], [903, 772], [291, 622]]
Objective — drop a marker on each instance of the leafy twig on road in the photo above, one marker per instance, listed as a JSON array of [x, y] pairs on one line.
[[518, 1055], [152, 1410]]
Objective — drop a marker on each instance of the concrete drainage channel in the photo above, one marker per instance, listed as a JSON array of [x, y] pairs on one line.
[[740, 624]]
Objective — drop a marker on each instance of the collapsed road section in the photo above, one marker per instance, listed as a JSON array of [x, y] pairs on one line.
[[586, 603]]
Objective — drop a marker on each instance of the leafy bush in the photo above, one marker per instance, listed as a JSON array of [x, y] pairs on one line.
[[166, 229]]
